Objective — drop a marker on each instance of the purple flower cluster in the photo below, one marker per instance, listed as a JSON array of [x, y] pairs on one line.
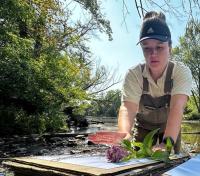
[[116, 153]]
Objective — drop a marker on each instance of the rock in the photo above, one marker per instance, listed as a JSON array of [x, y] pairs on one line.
[[20, 151], [72, 152], [86, 151], [2, 155], [2, 142], [72, 143], [80, 137], [43, 151], [35, 136], [55, 139], [193, 151], [36, 139], [37, 145], [90, 143]]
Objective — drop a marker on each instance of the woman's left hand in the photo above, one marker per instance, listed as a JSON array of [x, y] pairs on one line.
[[160, 147]]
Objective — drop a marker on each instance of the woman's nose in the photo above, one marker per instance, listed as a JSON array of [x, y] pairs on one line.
[[153, 51]]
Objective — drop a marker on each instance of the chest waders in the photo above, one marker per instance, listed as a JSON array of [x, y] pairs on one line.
[[153, 111]]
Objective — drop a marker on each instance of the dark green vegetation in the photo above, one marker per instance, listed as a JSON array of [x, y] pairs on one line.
[[45, 64], [106, 104], [188, 51]]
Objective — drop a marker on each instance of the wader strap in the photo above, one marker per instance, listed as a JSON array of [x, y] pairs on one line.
[[145, 82], [168, 80]]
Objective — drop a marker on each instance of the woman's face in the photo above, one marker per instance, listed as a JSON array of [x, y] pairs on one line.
[[156, 54]]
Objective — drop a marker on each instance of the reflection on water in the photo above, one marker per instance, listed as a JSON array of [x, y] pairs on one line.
[[192, 140], [93, 128], [98, 124]]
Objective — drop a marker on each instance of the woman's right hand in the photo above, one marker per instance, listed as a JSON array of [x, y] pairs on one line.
[[128, 136]]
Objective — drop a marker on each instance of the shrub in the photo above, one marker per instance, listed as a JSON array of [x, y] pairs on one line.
[[193, 116]]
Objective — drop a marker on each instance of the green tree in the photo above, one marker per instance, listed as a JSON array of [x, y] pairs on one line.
[[45, 64], [106, 104], [113, 98], [188, 52]]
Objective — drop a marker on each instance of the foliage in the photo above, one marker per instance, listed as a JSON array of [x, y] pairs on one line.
[[106, 104], [45, 64], [189, 109], [193, 116], [144, 149], [189, 53]]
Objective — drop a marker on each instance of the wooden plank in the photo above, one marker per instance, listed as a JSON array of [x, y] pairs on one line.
[[73, 169], [24, 169]]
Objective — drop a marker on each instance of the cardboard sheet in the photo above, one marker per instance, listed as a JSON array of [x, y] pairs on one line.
[[106, 137], [93, 161], [190, 167]]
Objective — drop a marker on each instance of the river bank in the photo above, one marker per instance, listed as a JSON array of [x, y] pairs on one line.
[[48, 144], [75, 142]]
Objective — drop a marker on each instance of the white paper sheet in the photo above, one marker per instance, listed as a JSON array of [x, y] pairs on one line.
[[92, 161], [189, 168]]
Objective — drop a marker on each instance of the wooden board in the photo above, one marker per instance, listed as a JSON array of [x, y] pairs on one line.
[[33, 166]]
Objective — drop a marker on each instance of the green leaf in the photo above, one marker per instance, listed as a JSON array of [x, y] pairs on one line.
[[141, 154], [130, 156], [148, 142], [145, 149], [168, 145], [161, 156], [137, 144], [127, 144]]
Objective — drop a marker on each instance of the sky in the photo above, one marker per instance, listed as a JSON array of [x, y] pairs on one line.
[[122, 52]]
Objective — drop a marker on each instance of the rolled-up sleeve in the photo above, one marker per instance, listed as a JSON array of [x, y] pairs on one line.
[[131, 88], [182, 81]]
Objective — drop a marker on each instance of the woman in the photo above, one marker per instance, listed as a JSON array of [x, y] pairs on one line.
[[155, 94]]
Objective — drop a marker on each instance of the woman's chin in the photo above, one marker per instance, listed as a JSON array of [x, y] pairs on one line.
[[154, 64]]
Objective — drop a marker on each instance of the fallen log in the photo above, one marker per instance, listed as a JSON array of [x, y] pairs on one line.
[[197, 132]]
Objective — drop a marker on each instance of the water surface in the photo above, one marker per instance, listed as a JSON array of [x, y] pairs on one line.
[[190, 142]]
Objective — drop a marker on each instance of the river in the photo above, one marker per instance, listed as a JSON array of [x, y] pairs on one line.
[[190, 142]]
